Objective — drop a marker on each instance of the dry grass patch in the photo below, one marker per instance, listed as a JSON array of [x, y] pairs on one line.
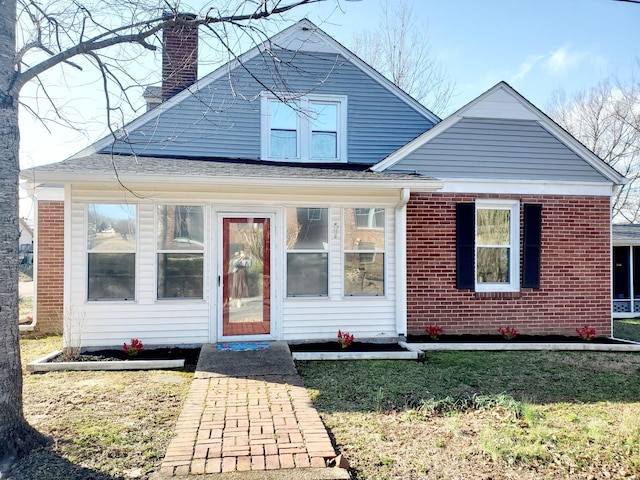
[[470, 415], [113, 423]]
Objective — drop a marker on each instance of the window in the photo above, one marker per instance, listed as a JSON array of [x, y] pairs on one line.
[[283, 139], [307, 251], [180, 246], [369, 217], [311, 128], [364, 249], [111, 251], [496, 246]]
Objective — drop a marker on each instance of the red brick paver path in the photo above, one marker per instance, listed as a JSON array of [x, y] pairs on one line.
[[236, 424]]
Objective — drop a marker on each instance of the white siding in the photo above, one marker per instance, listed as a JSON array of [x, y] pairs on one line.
[[110, 323], [106, 323], [365, 317]]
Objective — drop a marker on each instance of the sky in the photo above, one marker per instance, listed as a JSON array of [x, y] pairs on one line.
[[539, 47]]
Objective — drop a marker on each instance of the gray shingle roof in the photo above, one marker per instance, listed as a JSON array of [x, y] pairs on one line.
[[102, 164], [626, 234]]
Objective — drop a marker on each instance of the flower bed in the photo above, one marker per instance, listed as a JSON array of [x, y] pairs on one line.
[[147, 359]]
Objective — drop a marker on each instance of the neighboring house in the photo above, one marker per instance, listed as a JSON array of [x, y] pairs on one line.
[[312, 195], [25, 243], [626, 271]]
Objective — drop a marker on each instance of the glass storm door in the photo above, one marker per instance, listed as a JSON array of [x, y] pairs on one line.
[[246, 276]]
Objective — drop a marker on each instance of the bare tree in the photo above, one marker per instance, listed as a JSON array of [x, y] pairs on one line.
[[400, 48], [606, 119], [37, 36]]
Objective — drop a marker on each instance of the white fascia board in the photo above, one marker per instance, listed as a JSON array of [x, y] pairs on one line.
[[427, 185], [291, 35], [526, 187]]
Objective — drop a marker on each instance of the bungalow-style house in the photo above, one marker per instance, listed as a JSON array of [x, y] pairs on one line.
[[295, 191]]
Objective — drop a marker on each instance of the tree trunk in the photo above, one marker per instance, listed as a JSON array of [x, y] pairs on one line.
[[16, 436]]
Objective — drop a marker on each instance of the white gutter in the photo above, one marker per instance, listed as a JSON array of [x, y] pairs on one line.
[[401, 261]]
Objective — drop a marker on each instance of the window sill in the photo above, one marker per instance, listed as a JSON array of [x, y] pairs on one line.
[[487, 295]]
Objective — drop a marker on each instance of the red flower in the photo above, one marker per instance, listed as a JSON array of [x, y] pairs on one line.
[[586, 332], [508, 333], [133, 348], [344, 339], [434, 331]]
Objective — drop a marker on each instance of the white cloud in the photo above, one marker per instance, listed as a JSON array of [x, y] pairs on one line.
[[565, 59], [526, 66]]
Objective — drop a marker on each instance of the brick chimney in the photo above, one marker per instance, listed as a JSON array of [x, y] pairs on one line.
[[179, 57]]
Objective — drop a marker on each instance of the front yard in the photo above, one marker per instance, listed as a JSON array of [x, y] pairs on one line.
[[113, 423], [470, 415], [458, 415]]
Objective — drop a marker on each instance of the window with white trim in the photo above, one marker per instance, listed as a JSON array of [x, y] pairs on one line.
[[364, 251], [497, 234], [309, 128], [111, 251], [307, 252], [180, 251]]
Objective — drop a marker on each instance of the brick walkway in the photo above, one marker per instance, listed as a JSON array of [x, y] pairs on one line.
[[232, 424]]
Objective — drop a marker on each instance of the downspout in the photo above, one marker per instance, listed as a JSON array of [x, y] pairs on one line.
[[401, 261]]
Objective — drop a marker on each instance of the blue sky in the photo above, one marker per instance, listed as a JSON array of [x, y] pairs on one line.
[[537, 46]]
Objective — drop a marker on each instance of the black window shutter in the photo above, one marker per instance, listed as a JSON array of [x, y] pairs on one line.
[[532, 243], [465, 244]]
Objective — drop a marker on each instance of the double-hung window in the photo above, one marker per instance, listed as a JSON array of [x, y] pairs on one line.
[[364, 251], [489, 250], [111, 251], [308, 128], [497, 246], [180, 248], [307, 252]]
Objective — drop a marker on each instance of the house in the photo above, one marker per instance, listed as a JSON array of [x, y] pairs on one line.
[[25, 242], [626, 270], [295, 191]]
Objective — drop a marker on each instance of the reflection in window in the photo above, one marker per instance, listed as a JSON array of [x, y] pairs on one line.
[[324, 130], [493, 245], [112, 276], [307, 246], [284, 130], [364, 251], [111, 227], [369, 217], [180, 244], [111, 247]]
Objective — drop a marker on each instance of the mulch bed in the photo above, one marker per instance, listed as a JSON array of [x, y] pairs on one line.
[[354, 347], [517, 339], [190, 356]]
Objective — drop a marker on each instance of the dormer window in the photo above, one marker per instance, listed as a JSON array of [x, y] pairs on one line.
[[308, 129]]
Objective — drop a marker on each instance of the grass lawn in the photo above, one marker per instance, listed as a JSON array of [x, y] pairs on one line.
[[498, 415], [628, 328], [113, 423]]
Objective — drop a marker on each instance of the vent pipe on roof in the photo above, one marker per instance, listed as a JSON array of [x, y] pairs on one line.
[[179, 56]]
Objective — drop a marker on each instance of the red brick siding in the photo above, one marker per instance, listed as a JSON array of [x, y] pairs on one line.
[[179, 59], [50, 266], [574, 278]]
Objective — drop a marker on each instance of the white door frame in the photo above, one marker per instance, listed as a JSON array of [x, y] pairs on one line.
[[275, 268]]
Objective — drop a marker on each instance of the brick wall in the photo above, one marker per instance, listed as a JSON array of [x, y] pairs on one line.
[[50, 266], [574, 270], [179, 58]]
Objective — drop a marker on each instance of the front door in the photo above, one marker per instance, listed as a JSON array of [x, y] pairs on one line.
[[246, 276]]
